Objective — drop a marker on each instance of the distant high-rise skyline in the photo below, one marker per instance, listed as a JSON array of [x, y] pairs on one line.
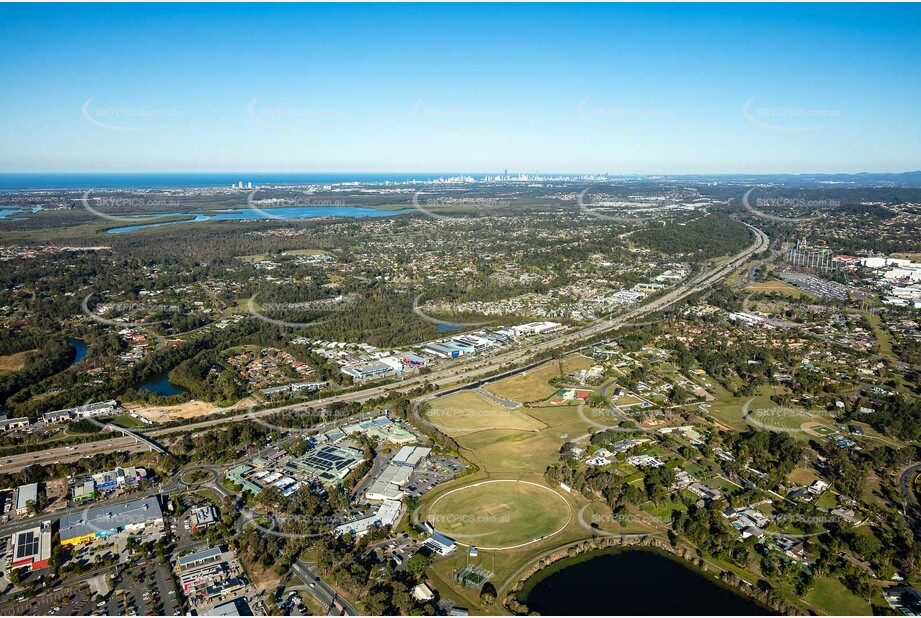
[[648, 89]]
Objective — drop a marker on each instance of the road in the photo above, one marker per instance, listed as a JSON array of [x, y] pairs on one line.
[[908, 476], [318, 588], [461, 371]]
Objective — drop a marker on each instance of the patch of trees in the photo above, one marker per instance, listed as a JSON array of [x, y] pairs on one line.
[[53, 356], [703, 238], [220, 445], [773, 453]]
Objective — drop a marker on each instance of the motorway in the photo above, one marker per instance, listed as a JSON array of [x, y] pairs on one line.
[[461, 371]]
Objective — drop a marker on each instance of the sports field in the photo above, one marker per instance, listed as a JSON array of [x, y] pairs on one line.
[[776, 287], [534, 385], [468, 411], [499, 514]]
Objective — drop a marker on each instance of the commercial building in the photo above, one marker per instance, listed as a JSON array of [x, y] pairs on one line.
[[26, 499], [84, 491], [11, 424], [442, 350], [105, 521], [389, 484], [237, 607], [205, 569], [237, 476], [440, 544], [294, 389], [383, 429], [386, 516], [114, 479], [368, 370], [414, 360], [32, 547], [330, 463], [202, 517], [422, 593], [90, 410]]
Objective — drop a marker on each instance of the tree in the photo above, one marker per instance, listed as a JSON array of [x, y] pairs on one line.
[[418, 564], [488, 593], [658, 482]]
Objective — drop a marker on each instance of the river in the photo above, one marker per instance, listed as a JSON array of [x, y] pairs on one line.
[[81, 350]]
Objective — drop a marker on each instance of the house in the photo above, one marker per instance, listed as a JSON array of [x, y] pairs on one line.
[[644, 461], [792, 548], [906, 600], [818, 486]]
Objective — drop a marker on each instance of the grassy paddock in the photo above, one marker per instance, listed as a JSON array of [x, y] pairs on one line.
[[468, 411], [499, 513], [534, 385]]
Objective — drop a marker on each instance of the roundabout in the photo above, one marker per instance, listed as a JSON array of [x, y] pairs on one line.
[[500, 514]]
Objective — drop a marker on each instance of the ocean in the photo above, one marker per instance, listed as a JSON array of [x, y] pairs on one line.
[[38, 181]]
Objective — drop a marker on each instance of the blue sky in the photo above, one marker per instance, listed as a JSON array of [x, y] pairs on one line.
[[570, 88]]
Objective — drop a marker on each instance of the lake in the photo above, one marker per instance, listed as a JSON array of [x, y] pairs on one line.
[[632, 581], [161, 385]]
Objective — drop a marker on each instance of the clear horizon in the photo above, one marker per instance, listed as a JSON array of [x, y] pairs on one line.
[[330, 89]]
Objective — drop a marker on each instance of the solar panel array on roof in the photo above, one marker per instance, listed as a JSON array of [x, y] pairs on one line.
[[26, 545], [329, 461]]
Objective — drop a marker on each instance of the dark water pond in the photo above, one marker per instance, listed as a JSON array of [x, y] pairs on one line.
[[640, 582]]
